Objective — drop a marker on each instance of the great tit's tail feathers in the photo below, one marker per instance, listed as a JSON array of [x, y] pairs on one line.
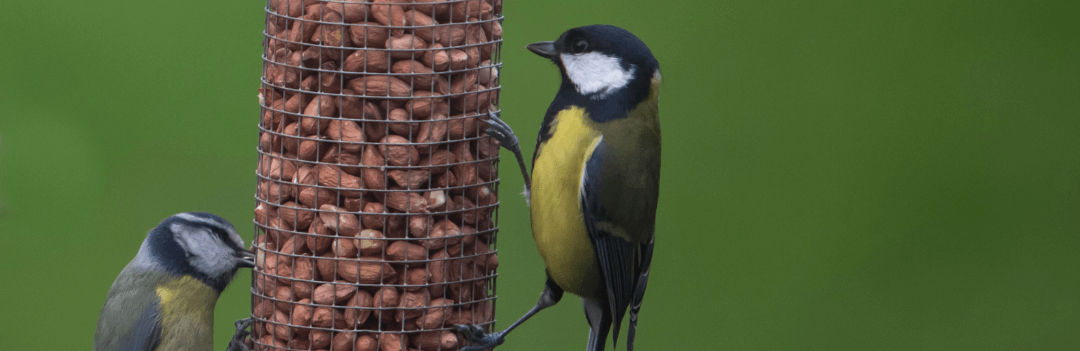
[[639, 294], [599, 317]]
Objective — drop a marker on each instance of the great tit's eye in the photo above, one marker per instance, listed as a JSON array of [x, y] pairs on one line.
[[579, 46]]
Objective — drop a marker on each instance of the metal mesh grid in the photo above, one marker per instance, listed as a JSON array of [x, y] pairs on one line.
[[377, 189]]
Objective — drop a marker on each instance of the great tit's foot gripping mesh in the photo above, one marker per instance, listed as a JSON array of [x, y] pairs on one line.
[[477, 339], [502, 132]]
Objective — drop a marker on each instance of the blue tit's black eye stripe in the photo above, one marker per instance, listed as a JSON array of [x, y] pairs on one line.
[[225, 238]]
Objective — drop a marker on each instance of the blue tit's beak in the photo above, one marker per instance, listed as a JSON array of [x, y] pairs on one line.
[[545, 49], [247, 258]]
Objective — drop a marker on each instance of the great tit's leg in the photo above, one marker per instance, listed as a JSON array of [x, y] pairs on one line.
[[501, 131], [238, 342], [480, 340]]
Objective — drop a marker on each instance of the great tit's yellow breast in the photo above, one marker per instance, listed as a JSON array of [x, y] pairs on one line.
[[557, 221], [187, 314]]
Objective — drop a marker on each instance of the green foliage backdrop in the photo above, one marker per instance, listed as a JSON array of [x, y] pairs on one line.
[[838, 175]]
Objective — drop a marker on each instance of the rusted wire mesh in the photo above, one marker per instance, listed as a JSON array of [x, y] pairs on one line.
[[377, 189]]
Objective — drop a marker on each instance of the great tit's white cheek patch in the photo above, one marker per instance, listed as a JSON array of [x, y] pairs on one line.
[[596, 73]]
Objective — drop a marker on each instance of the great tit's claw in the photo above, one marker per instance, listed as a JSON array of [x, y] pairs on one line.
[[495, 117], [501, 131], [478, 339]]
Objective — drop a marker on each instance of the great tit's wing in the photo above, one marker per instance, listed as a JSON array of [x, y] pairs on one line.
[[615, 207], [639, 293]]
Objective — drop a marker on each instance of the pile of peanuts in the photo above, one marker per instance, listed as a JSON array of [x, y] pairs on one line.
[[377, 186]]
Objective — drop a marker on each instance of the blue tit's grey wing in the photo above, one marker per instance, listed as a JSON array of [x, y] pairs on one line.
[[130, 319], [619, 216], [142, 332], [147, 334]]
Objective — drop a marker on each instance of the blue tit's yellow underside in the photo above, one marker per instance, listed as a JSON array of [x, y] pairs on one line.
[[157, 310], [187, 307]]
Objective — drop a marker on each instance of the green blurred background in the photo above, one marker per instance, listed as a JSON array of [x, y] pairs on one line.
[[838, 175]]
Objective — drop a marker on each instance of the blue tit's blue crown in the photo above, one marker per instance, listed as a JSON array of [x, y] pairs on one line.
[[172, 248]]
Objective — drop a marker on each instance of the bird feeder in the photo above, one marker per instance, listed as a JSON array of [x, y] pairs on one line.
[[376, 205]]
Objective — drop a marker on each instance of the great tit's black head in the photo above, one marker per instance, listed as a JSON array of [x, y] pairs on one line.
[[599, 61], [199, 244]]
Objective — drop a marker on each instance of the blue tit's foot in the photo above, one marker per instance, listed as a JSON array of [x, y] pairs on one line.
[[501, 131], [240, 340], [477, 339]]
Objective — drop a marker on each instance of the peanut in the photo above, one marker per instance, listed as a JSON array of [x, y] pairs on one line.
[[374, 173]]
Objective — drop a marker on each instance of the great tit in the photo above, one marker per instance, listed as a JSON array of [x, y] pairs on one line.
[[595, 179], [164, 298]]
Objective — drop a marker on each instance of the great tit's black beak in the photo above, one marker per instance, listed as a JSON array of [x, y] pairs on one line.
[[545, 49], [247, 258]]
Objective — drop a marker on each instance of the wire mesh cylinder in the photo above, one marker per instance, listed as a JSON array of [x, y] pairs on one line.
[[377, 189]]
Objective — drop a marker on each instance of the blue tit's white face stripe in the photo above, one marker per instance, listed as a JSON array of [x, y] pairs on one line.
[[226, 227], [596, 75]]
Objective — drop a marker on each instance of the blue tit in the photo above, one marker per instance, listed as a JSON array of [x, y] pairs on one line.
[[595, 179], [164, 298]]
